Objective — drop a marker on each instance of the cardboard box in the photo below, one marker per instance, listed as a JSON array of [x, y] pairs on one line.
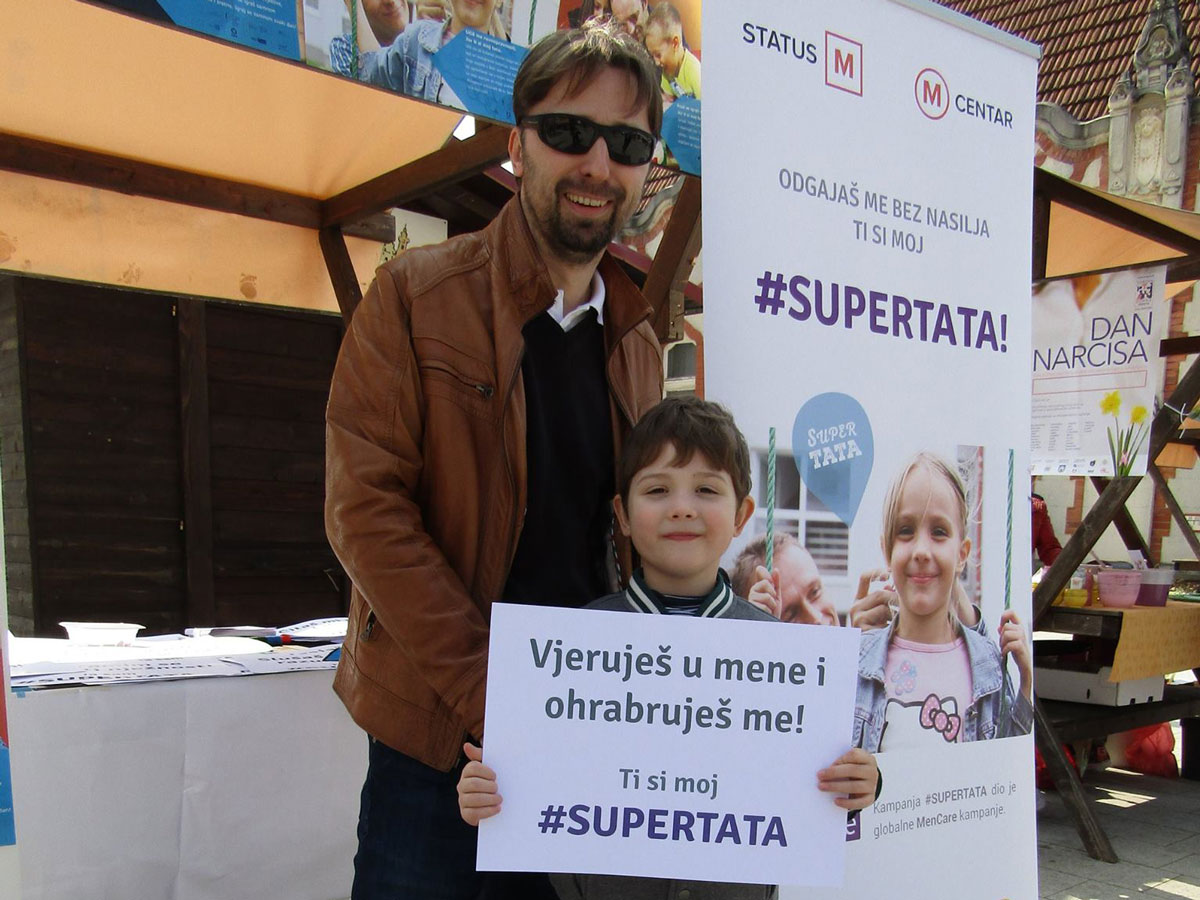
[[1094, 687]]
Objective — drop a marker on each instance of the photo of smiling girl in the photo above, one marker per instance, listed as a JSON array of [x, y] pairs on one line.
[[925, 680]]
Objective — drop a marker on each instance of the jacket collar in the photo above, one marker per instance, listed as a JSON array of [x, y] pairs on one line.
[[714, 605], [529, 284]]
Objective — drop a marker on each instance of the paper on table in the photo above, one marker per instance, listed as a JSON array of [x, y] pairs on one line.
[[331, 630], [289, 660], [46, 662], [120, 671]]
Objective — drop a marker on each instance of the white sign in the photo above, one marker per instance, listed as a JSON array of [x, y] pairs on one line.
[[667, 746], [870, 304], [1096, 371]]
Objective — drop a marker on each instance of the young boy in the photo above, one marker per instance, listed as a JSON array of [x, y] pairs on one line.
[[683, 495]]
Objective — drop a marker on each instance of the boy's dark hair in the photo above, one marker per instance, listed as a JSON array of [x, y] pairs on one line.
[[691, 426], [578, 55]]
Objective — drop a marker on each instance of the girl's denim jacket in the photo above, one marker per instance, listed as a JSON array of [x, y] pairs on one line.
[[979, 721], [407, 64]]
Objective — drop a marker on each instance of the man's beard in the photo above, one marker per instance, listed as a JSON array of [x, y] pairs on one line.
[[579, 240]]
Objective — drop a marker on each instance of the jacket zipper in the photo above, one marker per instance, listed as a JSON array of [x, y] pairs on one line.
[[518, 514], [484, 390]]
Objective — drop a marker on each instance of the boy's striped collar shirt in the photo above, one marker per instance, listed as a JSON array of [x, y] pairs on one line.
[[715, 604]]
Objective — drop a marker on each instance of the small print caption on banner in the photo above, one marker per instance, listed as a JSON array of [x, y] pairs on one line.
[[949, 806]]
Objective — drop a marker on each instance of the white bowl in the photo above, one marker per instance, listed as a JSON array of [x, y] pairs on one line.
[[102, 634]]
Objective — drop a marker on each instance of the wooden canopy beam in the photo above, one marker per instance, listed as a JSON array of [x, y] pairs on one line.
[[1041, 232], [1180, 346], [42, 159], [434, 171], [667, 278], [1177, 513], [1071, 195]]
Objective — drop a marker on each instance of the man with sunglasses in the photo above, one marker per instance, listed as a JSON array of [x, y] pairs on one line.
[[480, 399]]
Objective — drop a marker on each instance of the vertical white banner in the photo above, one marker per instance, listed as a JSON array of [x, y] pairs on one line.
[[867, 233]]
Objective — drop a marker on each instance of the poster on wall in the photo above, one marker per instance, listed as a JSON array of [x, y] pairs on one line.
[[861, 324], [460, 54], [1097, 371], [266, 25]]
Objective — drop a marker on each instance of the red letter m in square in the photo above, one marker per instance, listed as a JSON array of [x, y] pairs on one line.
[[843, 63]]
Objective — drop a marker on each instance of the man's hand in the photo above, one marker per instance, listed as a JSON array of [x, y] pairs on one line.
[[478, 798], [872, 608], [855, 774], [765, 592]]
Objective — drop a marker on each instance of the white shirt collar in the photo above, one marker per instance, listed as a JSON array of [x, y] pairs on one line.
[[595, 301]]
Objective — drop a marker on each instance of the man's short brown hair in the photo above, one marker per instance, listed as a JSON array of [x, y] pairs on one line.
[[578, 55], [753, 555], [691, 426]]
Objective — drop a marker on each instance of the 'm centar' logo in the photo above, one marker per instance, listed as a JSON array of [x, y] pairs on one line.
[[932, 93]]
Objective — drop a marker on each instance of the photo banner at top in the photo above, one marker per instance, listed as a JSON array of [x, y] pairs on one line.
[[460, 54], [867, 236]]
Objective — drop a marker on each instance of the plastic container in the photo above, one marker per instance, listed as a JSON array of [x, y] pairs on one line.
[[1072, 597], [1156, 583], [102, 634], [1119, 587]]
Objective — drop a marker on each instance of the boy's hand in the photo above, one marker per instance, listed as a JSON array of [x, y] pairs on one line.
[[765, 592], [855, 774], [478, 798], [1015, 640]]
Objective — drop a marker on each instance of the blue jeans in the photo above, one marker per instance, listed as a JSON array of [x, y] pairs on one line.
[[412, 843]]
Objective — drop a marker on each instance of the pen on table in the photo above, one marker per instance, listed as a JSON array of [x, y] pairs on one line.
[[275, 640]]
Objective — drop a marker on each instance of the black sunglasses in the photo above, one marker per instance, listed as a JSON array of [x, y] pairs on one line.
[[576, 135]]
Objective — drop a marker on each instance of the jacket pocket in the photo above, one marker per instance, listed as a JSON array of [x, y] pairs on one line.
[[463, 380]]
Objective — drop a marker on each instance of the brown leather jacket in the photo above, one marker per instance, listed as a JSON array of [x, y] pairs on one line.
[[426, 469]]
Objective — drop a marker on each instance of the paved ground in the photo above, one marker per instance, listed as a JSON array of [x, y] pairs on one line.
[[1154, 826]]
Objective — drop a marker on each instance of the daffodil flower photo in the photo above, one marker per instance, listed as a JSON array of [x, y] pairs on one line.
[[1124, 443]]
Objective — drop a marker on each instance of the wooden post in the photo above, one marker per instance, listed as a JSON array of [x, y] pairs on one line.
[[1131, 535], [195, 440], [1176, 510], [341, 270], [1066, 779], [668, 275]]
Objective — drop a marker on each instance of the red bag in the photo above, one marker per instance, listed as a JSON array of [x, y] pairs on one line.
[[1150, 750]]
